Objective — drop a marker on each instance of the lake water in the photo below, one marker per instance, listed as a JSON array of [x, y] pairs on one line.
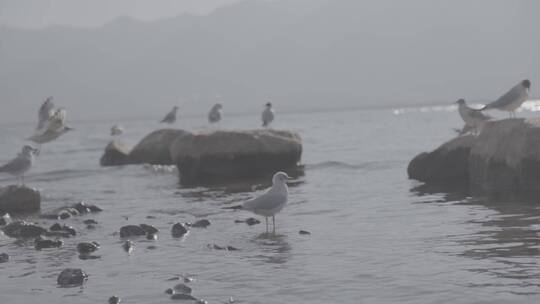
[[376, 236]]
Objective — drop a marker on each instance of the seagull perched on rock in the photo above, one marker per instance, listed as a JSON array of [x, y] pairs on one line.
[[267, 114], [55, 127], [215, 113], [271, 202], [117, 130], [512, 99], [170, 118], [20, 164], [474, 119]]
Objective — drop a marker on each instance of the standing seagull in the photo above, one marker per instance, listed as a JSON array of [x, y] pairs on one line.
[[267, 114], [272, 201], [45, 112], [56, 126], [512, 99], [117, 130], [20, 164], [215, 113], [473, 118], [170, 118]]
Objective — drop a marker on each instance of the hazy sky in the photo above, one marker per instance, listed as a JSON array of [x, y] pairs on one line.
[[40, 13]]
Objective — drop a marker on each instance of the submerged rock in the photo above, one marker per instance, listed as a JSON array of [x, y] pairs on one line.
[[182, 288], [201, 223], [154, 148], [116, 154], [178, 230], [4, 257], [184, 297], [41, 243], [128, 246], [22, 229], [304, 232], [252, 221], [131, 230], [87, 248], [115, 300], [222, 155], [16, 198], [90, 222], [84, 208], [71, 277], [149, 229], [63, 229]]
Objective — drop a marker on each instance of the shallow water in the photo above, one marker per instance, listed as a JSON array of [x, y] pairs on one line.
[[376, 237]]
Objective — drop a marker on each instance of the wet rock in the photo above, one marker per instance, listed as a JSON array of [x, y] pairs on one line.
[[449, 163], [222, 155], [150, 217], [16, 198], [231, 248], [5, 219], [55, 227], [149, 228], [154, 148], [90, 222], [4, 257], [89, 257], [71, 277], [304, 232], [131, 230], [85, 208], [116, 154], [61, 230], [178, 230], [152, 237], [182, 288], [252, 221], [22, 229], [41, 243], [128, 246], [115, 300], [64, 214], [201, 223], [184, 297], [169, 291], [87, 248], [90, 227]]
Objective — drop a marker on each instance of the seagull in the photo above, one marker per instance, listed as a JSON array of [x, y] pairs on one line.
[[117, 130], [170, 118], [20, 164], [473, 118], [56, 126], [271, 202], [512, 99], [267, 114], [45, 112], [215, 113]]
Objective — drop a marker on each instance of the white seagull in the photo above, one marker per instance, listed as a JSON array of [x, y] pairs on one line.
[[267, 114], [170, 118], [473, 118], [45, 112], [56, 126], [117, 130], [512, 99], [215, 113], [272, 201], [20, 164]]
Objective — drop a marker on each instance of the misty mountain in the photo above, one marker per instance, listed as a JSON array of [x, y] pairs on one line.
[[296, 53]]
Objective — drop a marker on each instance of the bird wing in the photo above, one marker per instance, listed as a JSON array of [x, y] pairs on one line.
[[15, 164], [267, 117], [267, 201], [45, 112], [510, 96], [57, 120], [168, 117], [477, 114]]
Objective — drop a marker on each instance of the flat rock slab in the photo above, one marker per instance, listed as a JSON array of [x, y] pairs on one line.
[[16, 198], [223, 155]]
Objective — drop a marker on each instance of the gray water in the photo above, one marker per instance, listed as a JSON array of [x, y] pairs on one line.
[[376, 237]]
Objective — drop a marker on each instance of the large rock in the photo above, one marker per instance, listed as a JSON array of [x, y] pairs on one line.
[[154, 148], [446, 164], [19, 199], [506, 157], [116, 154], [222, 155]]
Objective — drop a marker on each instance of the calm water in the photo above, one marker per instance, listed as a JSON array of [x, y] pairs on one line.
[[375, 236]]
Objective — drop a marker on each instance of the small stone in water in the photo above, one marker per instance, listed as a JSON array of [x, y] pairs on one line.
[[178, 230], [115, 300], [4, 257], [86, 248], [252, 221], [182, 288], [71, 277], [90, 221], [41, 243], [131, 230], [304, 232], [151, 247], [149, 228], [169, 291], [55, 227], [151, 237], [181, 296], [90, 227], [128, 246], [231, 248], [201, 223]]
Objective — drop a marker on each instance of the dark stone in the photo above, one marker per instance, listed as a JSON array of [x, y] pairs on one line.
[[114, 300], [41, 243], [84, 208], [86, 248], [304, 232], [151, 237], [116, 154], [131, 230], [16, 199], [231, 248], [128, 246], [201, 223], [216, 247], [55, 227], [150, 217], [4, 257], [88, 257], [224, 155], [182, 288], [22, 229], [71, 277], [447, 164], [64, 214], [149, 229], [169, 291], [154, 148], [90, 222], [69, 230], [184, 297], [151, 247], [178, 230], [252, 221], [90, 227]]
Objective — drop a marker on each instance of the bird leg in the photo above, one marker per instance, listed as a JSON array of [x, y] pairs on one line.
[[266, 217], [273, 225]]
